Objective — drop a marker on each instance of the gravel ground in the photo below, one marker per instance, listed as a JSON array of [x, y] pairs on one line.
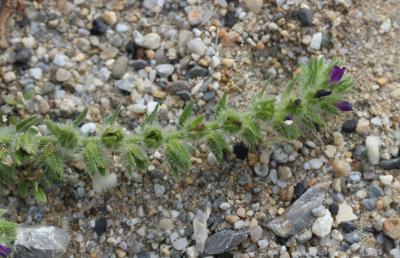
[[65, 55]]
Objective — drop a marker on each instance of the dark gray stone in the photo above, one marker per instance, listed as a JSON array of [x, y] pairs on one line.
[[350, 126], [99, 27], [100, 226], [176, 86], [40, 242], [360, 152], [298, 216], [224, 241], [22, 57], [305, 16], [197, 71], [139, 64], [390, 164]]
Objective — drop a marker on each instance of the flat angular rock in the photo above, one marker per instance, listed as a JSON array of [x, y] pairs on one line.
[[390, 164], [41, 242], [224, 241], [298, 216]]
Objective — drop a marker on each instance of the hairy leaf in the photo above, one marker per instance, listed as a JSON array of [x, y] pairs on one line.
[[111, 118], [151, 117], [25, 124], [187, 112], [134, 157], [112, 137], [81, 117], [152, 136], [221, 104], [94, 158], [66, 134], [217, 144], [177, 156]]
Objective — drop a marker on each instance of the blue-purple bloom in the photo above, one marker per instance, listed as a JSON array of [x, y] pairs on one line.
[[4, 251], [322, 93], [344, 106], [336, 74], [288, 120]]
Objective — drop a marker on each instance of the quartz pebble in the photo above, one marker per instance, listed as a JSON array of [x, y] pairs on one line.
[[345, 213], [196, 46], [372, 143], [323, 225]]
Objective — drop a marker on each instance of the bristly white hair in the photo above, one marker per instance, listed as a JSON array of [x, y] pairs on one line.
[[103, 183]]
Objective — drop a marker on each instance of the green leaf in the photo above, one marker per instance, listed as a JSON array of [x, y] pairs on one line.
[[134, 157], [151, 117], [112, 137], [77, 121], [25, 124], [250, 133], [221, 104], [66, 135], [264, 109], [50, 160], [177, 156], [231, 121], [94, 158], [22, 188], [187, 112], [111, 118], [152, 136], [24, 148], [217, 144], [40, 196]]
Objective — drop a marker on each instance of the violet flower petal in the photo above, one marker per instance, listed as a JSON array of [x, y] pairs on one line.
[[336, 74], [322, 93], [4, 251], [344, 106]]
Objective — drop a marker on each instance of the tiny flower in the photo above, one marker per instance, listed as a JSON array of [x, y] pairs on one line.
[[288, 120], [336, 74], [4, 251], [322, 93], [344, 106]]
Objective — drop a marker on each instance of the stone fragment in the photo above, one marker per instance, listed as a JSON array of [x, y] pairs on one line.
[[390, 164], [391, 228], [200, 229], [120, 66], [372, 143], [323, 225], [298, 216], [224, 241], [341, 168], [345, 214], [41, 241]]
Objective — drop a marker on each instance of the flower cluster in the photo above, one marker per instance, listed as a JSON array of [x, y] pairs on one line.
[[335, 76], [4, 251]]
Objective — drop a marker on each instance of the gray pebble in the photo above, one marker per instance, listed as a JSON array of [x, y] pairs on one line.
[[120, 66]]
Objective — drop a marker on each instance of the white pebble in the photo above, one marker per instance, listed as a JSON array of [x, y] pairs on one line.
[[316, 40], [315, 163], [386, 179], [323, 225], [224, 206], [372, 143]]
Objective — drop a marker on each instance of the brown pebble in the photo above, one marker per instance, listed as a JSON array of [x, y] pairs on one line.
[[391, 228]]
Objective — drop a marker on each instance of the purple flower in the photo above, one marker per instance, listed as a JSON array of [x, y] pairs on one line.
[[322, 93], [336, 74], [4, 251], [344, 106], [288, 120]]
